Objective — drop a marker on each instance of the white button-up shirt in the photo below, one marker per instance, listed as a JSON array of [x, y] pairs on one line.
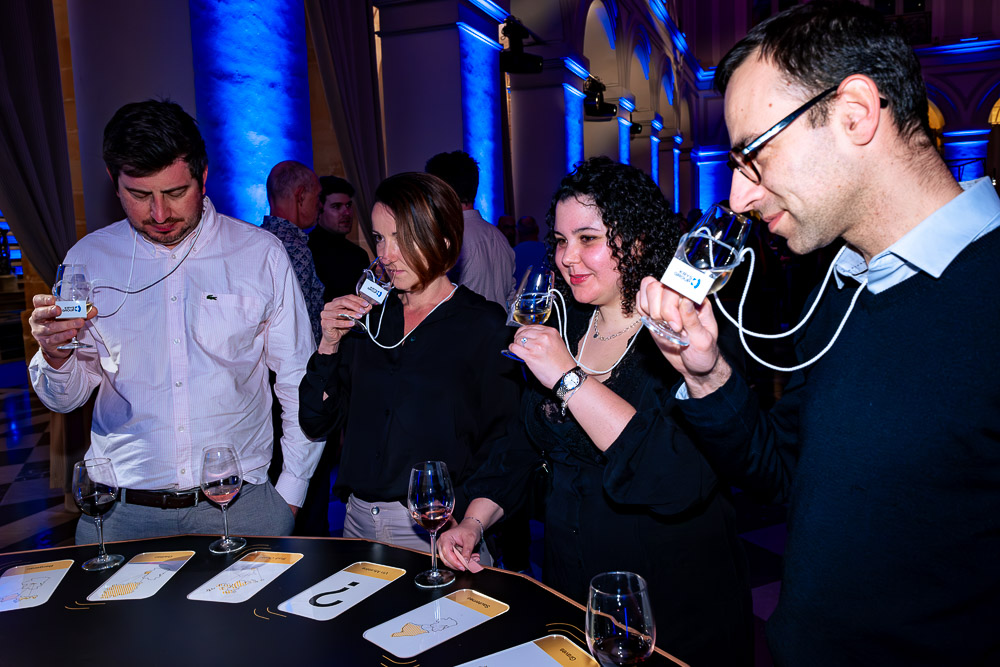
[[184, 338]]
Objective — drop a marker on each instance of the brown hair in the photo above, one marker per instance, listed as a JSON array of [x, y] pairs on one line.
[[429, 222]]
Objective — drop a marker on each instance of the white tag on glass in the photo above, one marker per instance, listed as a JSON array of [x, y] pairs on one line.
[[372, 290], [72, 309], [687, 280]]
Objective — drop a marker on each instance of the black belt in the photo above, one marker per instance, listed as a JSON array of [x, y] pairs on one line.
[[168, 500]]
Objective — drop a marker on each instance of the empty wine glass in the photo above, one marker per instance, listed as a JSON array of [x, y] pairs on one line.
[[431, 500], [620, 626], [95, 489], [373, 286], [532, 304], [221, 479], [73, 291], [705, 258]]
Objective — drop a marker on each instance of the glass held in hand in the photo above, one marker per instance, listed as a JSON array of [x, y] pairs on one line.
[[532, 304], [95, 489], [73, 292], [431, 500], [705, 258], [373, 286], [620, 625], [221, 479]]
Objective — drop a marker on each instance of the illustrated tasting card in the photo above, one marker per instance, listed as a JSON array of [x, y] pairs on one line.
[[141, 577], [31, 585], [341, 591], [434, 623], [545, 652], [243, 579]]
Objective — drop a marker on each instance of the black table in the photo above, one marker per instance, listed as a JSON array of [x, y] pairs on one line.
[[169, 629]]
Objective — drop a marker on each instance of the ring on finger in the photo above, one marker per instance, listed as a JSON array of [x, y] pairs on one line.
[[524, 341]]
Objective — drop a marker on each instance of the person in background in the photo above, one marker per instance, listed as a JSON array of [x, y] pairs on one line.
[[339, 262], [507, 227], [529, 251], [886, 449], [293, 197], [486, 264], [201, 307]]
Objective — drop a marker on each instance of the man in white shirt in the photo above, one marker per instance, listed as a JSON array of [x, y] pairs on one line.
[[192, 308], [486, 263]]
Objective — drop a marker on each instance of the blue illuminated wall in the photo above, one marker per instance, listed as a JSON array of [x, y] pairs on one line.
[[714, 177], [481, 116], [252, 93], [966, 157], [574, 126]]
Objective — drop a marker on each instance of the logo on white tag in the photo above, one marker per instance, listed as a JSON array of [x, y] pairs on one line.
[[72, 309], [373, 291], [687, 280]]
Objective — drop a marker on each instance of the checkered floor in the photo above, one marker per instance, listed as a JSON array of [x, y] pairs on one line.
[[34, 516]]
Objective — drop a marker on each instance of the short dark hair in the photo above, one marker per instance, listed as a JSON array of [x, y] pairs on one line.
[[334, 185], [642, 231], [819, 44], [143, 138], [429, 222], [458, 170]]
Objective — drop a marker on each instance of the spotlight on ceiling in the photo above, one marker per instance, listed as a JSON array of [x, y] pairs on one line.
[[513, 59], [594, 106], [634, 129]]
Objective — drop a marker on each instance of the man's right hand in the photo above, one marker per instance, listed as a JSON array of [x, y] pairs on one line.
[[338, 317], [50, 332], [700, 363]]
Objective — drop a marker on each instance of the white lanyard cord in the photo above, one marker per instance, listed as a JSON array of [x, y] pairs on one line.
[[577, 358], [406, 333]]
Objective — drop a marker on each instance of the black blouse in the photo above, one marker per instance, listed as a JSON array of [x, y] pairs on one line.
[[650, 504], [445, 394]]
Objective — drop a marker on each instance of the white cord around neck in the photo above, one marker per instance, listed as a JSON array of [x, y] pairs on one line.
[[577, 358], [743, 332], [405, 333]]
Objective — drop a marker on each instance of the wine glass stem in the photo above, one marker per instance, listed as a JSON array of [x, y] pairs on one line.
[[434, 552], [225, 521], [101, 553]]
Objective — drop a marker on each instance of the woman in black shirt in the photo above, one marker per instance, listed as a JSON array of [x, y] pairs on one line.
[[628, 490], [429, 384]]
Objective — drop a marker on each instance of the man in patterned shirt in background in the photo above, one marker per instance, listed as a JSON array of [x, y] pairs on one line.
[[293, 195]]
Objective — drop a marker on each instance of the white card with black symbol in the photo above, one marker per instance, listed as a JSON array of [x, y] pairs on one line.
[[341, 591]]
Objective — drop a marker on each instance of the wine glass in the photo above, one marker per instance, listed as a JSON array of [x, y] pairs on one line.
[[705, 258], [95, 489], [431, 500], [72, 290], [620, 626], [532, 303], [221, 479], [373, 286]]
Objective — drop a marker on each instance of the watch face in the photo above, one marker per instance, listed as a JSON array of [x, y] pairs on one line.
[[572, 381]]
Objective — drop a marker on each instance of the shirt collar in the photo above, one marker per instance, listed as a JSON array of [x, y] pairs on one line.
[[933, 244], [286, 226]]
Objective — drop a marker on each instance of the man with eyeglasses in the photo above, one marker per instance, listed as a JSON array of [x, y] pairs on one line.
[[887, 450]]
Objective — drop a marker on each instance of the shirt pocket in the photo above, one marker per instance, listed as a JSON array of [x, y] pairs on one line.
[[225, 325]]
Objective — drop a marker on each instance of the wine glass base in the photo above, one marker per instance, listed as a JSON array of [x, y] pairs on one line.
[[511, 355], [663, 331], [105, 562], [434, 578], [225, 545], [73, 345]]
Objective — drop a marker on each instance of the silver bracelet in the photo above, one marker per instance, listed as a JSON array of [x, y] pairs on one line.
[[482, 529]]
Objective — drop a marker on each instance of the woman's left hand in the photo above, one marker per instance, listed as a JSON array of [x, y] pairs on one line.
[[543, 351]]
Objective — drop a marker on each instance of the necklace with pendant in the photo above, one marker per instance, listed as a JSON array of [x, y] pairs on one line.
[[597, 334]]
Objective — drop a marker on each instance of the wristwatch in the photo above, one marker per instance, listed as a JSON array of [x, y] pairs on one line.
[[568, 384]]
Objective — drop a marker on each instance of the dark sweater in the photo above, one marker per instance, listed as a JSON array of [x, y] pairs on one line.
[[888, 450]]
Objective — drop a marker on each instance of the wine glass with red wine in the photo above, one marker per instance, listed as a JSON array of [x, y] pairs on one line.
[[95, 489], [620, 626], [431, 500], [221, 479]]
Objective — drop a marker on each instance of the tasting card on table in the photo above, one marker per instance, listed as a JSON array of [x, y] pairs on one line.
[[27, 586], [141, 577], [341, 590], [246, 577], [434, 623], [548, 651]]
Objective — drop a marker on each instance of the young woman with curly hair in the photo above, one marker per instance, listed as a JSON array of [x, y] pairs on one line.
[[628, 489]]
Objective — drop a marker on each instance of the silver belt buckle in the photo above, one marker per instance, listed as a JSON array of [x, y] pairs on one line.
[[184, 494]]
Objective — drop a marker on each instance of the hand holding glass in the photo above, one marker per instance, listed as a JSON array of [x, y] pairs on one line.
[[95, 489], [221, 479], [72, 290], [705, 258], [532, 303], [620, 626], [373, 286], [431, 500]]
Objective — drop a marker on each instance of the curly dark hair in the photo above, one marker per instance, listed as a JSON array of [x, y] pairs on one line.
[[642, 231]]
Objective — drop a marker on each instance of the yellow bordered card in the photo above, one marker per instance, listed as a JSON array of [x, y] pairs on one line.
[[549, 651], [141, 577], [27, 586]]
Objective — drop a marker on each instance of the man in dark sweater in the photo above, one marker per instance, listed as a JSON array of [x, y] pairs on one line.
[[887, 449]]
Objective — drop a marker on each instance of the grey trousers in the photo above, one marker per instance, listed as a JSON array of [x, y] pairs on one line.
[[257, 510]]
